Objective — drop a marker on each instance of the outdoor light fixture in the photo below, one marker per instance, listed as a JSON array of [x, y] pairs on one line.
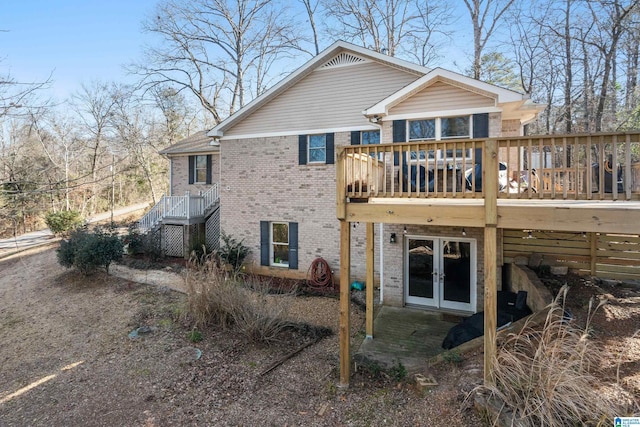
[[530, 235], [404, 231], [392, 239], [464, 232], [584, 234]]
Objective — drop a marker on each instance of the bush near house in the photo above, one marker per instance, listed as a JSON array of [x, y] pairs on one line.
[[232, 252], [88, 251], [138, 243], [64, 221]]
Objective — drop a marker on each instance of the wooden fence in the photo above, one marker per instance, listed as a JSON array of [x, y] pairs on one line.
[[609, 256]]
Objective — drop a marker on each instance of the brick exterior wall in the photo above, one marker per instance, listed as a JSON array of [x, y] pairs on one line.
[[511, 128], [262, 181], [180, 175]]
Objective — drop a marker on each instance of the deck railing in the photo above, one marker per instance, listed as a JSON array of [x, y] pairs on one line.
[[184, 207], [586, 167]]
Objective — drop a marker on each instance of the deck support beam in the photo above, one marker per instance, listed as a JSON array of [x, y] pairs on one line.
[[490, 182], [345, 327], [370, 254]]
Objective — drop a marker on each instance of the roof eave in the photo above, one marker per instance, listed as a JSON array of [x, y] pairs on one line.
[[502, 95]]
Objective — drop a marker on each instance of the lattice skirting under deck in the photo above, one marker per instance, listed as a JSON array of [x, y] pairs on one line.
[[173, 240]]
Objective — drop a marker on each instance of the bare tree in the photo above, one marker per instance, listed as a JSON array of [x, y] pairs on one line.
[[380, 25], [610, 18], [311, 7], [214, 48], [17, 96], [429, 31], [94, 104], [485, 16]]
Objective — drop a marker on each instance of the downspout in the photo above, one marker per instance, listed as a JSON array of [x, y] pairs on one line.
[[170, 177]]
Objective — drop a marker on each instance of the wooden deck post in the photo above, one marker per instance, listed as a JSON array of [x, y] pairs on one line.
[[370, 251], [345, 327], [490, 184]]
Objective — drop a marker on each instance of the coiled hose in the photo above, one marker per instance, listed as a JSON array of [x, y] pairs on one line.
[[319, 275]]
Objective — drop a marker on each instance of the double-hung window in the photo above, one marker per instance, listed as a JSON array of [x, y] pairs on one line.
[[279, 244], [317, 148], [200, 170]]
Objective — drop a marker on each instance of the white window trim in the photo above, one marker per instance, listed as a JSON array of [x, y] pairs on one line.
[[323, 162], [438, 130], [272, 262], [195, 169]]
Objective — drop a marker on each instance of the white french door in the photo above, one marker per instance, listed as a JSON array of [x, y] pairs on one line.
[[440, 272]]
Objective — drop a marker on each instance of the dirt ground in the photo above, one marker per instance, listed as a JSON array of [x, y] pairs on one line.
[[66, 358]]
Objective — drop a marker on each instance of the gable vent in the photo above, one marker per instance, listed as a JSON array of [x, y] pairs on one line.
[[342, 60]]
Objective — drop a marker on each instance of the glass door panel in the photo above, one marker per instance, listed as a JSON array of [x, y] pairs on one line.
[[420, 272], [457, 278]]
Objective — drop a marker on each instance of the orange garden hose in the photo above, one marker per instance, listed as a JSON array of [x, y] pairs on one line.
[[319, 275]]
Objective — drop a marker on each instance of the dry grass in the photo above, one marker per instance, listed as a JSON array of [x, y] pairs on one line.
[[218, 297], [544, 376]]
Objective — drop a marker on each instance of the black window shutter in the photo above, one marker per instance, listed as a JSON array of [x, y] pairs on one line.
[[302, 149], [481, 125], [330, 149], [480, 130], [399, 135], [355, 137], [293, 245], [399, 131], [192, 167], [264, 242], [209, 167]]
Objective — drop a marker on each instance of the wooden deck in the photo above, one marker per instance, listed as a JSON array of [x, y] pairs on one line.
[[603, 216], [566, 183], [570, 183]]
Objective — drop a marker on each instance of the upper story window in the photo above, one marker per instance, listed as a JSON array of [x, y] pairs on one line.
[[440, 128], [317, 148], [200, 170], [370, 137], [422, 129], [455, 127]]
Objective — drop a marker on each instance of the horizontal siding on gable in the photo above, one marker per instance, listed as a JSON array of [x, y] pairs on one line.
[[329, 98], [441, 96]]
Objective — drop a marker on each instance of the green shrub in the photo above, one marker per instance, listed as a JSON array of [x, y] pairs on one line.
[[64, 221], [138, 243], [87, 251], [233, 252]]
